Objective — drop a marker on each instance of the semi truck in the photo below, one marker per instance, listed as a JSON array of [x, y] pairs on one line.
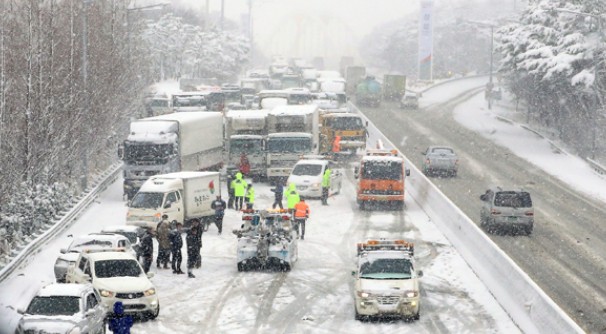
[[368, 92], [386, 280], [394, 87], [353, 76], [181, 196], [191, 141], [245, 132], [381, 175], [292, 132]]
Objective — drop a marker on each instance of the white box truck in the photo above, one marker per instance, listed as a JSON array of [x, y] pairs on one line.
[[245, 132], [292, 132], [182, 196], [191, 141]]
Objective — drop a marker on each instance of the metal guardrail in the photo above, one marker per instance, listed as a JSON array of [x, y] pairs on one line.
[[596, 166], [25, 255]]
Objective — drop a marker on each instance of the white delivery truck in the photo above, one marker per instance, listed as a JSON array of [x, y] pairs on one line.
[[191, 141], [182, 196], [245, 132], [292, 132]]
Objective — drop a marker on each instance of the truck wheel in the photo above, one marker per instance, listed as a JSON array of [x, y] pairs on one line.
[[240, 266], [417, 316], [153, 315]]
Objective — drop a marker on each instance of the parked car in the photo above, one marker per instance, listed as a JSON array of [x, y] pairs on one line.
[[130, 232], [440, 160], [410, 100], [64, 308], [507, 210], [307, 176], [90, 242], [117, 276]]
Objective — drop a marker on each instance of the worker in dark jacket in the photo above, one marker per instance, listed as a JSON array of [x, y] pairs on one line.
[[147, 249], [194, 244], [230, 191], [278, 194], [176, 242], [120, 323], [219, 206]]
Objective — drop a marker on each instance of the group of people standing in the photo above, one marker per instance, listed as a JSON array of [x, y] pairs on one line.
[[170, 242]]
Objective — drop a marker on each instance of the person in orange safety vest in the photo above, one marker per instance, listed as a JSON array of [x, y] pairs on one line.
[[336, 145], [301, 215]]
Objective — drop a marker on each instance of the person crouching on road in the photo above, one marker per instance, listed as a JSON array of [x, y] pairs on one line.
[[292, 198], [239, 186], [250, 197], [219, 206], [301, 215], [176, 242], [194, 244], [147, 248]]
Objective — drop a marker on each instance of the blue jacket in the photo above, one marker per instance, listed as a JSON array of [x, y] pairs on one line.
[[278, 191], [120, 323]]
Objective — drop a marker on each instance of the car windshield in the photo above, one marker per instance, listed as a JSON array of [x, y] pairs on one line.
[[386, 269], [147, 200], [86, 243], [54, 305], [134, 152], [513, 199], [117, 268], [346, 123], [246, 146], [307, 169], [382, 170], [442, 151], [298, 145]]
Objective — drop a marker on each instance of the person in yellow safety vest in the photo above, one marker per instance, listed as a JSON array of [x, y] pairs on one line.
[[336, 145], [239, 186], [301, 214], [292, 197], [250, 197], [325, 185]]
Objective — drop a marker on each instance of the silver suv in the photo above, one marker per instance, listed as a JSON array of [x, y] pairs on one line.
[[507, 210]]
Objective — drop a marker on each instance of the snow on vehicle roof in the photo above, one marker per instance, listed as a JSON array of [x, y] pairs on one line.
[[311, 162], [99, 236], [289, 134], [301, 109], [336, 113], [63, 289], [120, 228], [101, 256], [329, 79], [146, 127], [246, 137], [252, 113], [382, 158], [185, 116], [184, 175]]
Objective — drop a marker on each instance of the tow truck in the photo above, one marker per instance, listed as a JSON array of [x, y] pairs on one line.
[[266, 241], [386, 280]]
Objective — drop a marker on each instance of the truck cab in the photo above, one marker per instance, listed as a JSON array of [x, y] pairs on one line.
[[386, 280], [381, 176], [350, 127]]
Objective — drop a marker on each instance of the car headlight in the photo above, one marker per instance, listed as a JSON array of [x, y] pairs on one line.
[[364, 294], [316, 185], [411, 294], [106, 293], [149, 292]]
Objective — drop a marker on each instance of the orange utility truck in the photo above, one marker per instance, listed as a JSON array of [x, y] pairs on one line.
[[381, 177]]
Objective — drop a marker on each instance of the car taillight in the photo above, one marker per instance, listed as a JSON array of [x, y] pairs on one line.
[[529, 213], [495, 212]]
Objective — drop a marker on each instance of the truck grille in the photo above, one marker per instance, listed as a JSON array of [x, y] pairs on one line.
[[382, 192], [388, 300], [129, 295]]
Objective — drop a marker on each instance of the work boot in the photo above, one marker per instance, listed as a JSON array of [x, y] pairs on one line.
[[190, 275], [302, 237]]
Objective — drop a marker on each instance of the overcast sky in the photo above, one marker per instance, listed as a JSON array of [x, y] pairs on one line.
[[308, 28]]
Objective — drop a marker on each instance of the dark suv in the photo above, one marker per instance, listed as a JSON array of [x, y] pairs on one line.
[[507, 210]]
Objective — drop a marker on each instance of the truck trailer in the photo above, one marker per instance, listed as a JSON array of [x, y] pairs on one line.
[[191, 141]]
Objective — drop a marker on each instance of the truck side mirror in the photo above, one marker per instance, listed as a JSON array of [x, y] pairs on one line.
[[353, 273], [366, 123], [483, 197], [168, 204], [121, 152], [420, 273], [407, 172], [63, 250]]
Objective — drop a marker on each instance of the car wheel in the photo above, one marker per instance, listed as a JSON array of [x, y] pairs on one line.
[[417, 316], [358, 316]]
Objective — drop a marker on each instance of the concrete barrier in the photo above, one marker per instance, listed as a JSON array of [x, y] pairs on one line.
[[525, 302]]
